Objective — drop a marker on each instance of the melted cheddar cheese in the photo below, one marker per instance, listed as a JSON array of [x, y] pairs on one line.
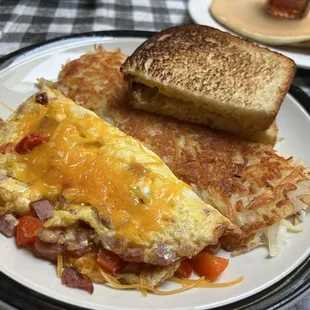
[[90, 162]]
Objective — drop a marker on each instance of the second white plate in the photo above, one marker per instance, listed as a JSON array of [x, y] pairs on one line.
[[199, 12]]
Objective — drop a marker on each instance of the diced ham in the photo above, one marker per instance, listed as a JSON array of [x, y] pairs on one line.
[[47, 250], [75, 248], [163, 255], [71, 277], [79, 245], [131, 268], [42, 98], [82, 234], [8, 223], [133, 255], [213, 249], [74, 239], [43, 208]]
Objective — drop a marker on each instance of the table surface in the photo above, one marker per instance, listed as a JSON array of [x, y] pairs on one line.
[[26, 22]]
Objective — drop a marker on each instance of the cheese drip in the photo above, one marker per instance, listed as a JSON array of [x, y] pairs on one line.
[[88, 161]]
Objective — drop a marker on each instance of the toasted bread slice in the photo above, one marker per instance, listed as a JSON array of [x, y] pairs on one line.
[[219, 80], [142, 95]]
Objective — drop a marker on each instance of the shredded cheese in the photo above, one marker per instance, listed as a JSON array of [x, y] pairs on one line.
[[205, 283], [7, 106], [59, 265], [142, 289], [88, 265], [115, 284]]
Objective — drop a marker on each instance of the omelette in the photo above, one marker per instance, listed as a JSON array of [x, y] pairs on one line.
[[257, 189], [79, 191]]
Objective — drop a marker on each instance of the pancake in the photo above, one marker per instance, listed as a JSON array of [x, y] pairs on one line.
[[248, 182], [249, 19]]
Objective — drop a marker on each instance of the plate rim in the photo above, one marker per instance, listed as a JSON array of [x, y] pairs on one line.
[[283, 293], [7, 59]]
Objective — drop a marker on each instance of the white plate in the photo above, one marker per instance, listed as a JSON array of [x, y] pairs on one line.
[[199, 12], [17, 84]]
